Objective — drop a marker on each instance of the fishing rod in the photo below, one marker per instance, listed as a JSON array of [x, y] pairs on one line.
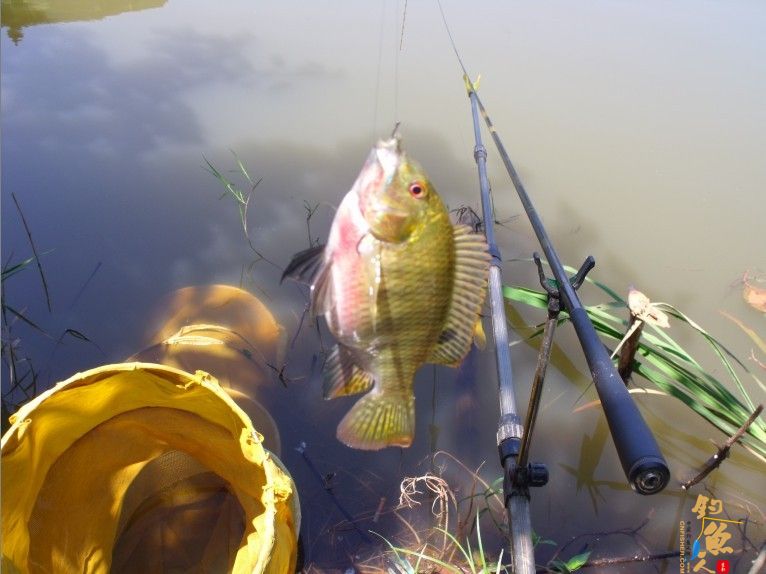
[[510, 429], [643, 463]]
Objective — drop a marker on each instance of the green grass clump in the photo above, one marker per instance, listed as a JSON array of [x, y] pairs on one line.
[[475, 561]]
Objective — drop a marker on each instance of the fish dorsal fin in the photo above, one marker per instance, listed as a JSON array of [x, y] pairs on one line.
[[342, 377], [468, 292], [311, 267]]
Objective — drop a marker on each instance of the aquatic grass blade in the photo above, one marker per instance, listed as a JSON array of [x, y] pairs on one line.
[[25, 319], [481, 546], [10, 270], [723, 353], [499, 561], [748, 331], [671, 368]]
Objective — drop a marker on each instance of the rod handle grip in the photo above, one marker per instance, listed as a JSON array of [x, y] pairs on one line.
[[641, 459]]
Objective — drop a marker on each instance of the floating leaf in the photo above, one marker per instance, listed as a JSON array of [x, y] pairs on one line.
[[576, 562], [754, 294]]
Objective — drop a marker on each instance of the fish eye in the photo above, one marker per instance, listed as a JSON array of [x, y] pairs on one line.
[[417, 189]]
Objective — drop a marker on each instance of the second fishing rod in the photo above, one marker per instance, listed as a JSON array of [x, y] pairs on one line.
[[641, 459]]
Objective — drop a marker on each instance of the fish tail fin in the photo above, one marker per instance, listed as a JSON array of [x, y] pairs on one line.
[[378, 420]]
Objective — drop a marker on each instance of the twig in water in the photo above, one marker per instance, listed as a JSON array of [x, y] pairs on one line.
[[723, 451], [34, 251], [280, 373], [466, 215], [87, 282], [301, 448], [629, 559], [379, 510], [310, 211], [632, 533]]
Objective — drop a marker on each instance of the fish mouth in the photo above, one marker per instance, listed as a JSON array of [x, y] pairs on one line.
[[387, 218], [388, 154]]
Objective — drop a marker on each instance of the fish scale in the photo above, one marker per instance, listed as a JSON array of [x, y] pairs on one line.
[[417, 291]]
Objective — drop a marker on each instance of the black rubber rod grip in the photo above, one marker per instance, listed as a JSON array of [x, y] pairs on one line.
[[639, 454]]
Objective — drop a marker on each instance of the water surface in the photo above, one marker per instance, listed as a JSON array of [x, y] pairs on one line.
[[637, 128]]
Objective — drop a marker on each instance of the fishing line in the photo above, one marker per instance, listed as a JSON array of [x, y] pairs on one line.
[[404, 19], [380, 63], [398, 35], [451, 39], [396, 65]]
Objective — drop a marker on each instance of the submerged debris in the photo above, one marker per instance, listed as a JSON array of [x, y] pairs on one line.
[[754, 290]]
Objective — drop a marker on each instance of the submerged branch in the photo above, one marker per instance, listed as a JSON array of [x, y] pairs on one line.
[[723, 451], [629, 559], [301, 448]]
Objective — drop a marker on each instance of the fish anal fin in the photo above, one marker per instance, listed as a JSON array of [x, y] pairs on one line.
[[463, 322], [312, 267], [379, 420], [342, 377]]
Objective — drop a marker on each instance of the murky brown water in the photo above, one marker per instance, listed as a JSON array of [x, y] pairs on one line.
[[637, 128]]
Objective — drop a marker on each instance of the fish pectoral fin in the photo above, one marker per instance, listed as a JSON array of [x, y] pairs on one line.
[[342, 377], [378, 420], [310, 266], [468, 292]]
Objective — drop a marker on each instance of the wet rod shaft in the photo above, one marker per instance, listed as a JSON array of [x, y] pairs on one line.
[[517, 504], [641, 459]]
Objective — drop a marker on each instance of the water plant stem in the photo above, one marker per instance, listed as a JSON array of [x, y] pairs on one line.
[[34, 251], [301, 448]]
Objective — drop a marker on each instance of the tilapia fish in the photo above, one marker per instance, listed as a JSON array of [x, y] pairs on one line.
[[399, 286]]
